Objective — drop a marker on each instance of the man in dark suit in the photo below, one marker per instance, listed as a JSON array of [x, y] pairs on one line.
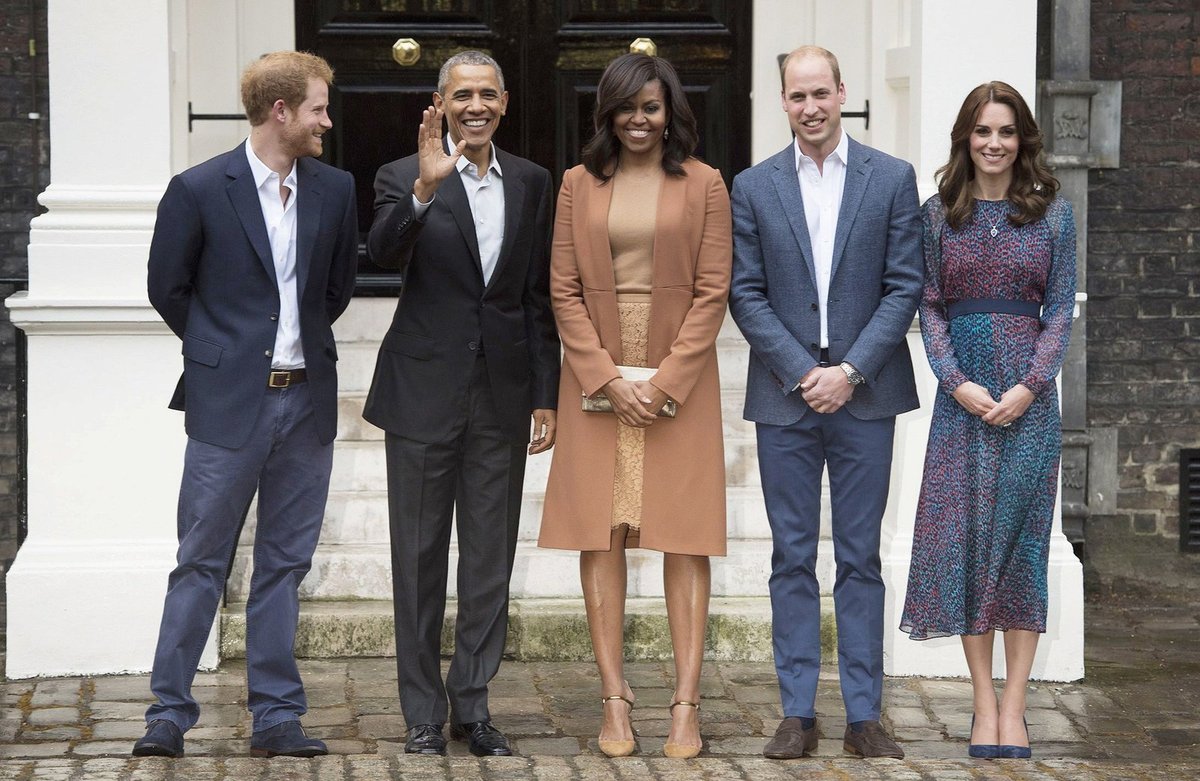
[[471, 353], [827, 274], [253, 257]]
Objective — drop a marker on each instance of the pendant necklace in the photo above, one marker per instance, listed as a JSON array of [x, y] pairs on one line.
[[995, 231]]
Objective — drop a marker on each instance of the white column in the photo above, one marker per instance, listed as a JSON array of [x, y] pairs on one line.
[[85, 593], [948, 57]]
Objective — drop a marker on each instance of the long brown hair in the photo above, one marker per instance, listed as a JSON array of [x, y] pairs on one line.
[[623, 79], [1032, 188]]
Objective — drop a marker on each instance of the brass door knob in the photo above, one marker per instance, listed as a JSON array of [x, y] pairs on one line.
[[644, 46], [406, 51]]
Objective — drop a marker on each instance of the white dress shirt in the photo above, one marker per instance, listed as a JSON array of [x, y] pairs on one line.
[[821, 190], [280, 219], [486, 196]]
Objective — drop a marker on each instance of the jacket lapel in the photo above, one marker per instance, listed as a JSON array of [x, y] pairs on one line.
[[858, 176], [244, 197], [601, 249], [787, 186], [308, 221], [455, 196], [514, 206]]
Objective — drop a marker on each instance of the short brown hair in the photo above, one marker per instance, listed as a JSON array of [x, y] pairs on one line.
[[280, 76], [801, 52]]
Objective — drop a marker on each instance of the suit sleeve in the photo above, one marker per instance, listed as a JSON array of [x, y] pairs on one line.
[[175, 252], [395, 228], [678, 372], [903, 274], [344, 264], [750, 303], [589, 361], [541, 334]]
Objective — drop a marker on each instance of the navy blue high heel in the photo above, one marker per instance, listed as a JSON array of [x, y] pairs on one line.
[[981, 750], [1017, 752]]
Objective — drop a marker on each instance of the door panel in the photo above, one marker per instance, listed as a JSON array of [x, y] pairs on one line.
[[552, 53]]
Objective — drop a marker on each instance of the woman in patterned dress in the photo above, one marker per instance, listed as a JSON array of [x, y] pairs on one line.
[[995, 317], [640, 277]]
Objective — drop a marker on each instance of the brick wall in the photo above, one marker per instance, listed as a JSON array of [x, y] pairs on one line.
[[1143, 261], [24, 172]]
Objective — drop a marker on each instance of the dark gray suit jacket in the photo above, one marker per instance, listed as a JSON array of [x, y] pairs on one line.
[[874, 289], [446, 314], [212, 278]]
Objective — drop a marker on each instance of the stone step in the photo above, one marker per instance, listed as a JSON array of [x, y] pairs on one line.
[[360, 466], [356, 517], [539, 630], [342, 572], [352, 427]]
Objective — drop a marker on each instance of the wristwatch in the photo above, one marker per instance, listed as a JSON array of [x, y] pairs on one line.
[[853, 376]]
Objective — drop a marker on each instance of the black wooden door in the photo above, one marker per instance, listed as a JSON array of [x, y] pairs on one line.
[[552, 53]]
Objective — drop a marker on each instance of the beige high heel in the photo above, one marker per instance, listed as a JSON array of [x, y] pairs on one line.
[[681, 750], [617, 748]]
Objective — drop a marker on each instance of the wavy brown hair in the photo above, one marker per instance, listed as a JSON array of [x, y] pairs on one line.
[[1032, 188], [623, 79]]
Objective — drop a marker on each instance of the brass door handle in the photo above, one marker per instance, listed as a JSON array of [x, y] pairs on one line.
[[406, 51], [644, 46]]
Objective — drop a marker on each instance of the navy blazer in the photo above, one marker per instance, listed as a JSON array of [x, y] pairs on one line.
[[212, 278], [446, 314], [874, 288]]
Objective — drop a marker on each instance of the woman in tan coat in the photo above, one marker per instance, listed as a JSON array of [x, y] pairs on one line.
[[640, 277]]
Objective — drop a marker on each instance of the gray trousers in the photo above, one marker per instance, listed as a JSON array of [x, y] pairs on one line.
[[480, 473]]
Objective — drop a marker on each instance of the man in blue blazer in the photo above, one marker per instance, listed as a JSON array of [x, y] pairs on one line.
[[253, 258], [827, 275]]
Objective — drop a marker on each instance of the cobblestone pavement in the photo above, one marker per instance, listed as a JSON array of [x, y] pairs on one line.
[[1135, 716]]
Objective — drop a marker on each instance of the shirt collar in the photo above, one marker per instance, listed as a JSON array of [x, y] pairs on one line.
[[262, 173], [840, 152], [463, 162]]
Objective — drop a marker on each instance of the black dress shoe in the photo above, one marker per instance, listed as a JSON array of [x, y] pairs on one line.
[[425, 739], [162, 739], [286, 739], [483, 740], [871, 741]]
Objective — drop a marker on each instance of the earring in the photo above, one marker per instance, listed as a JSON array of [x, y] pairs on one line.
[[666, 133]]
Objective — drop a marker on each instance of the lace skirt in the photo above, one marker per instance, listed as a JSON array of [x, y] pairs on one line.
[[634, 318]]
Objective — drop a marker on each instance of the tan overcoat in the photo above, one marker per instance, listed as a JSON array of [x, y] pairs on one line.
[[683, 499]]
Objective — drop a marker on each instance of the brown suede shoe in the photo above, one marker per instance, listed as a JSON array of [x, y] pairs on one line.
[[871, 742], [791, 740]]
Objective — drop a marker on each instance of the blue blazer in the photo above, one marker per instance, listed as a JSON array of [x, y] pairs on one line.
[[212, 278], [873, 291]]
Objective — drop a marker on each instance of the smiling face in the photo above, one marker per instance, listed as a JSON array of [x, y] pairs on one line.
[[640, 122], [813, 102], [994, 143], [304, 126], [473, 103]]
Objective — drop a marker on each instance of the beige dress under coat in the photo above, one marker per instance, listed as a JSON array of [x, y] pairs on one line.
[[683, 494]]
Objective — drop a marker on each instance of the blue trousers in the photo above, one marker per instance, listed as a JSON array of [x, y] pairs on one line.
[[289, 467], [791, 460]]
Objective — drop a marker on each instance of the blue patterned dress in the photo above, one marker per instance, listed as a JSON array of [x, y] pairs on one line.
[[982, 532]]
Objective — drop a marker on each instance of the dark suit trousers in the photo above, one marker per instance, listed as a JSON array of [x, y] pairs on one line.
[[791, 460], [477, 475], [287, 464]]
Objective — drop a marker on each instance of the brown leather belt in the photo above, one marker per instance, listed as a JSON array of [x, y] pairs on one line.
[[282, 378]]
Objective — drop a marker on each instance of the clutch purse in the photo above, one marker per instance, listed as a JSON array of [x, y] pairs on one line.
[[600, 402]]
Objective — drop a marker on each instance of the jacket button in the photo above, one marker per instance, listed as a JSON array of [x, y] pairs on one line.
[[814, 346], [267, 353], [473, 345], [274, 316], [815, 308]]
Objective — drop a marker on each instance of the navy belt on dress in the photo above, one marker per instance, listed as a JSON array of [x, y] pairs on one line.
[[1002, 306]]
